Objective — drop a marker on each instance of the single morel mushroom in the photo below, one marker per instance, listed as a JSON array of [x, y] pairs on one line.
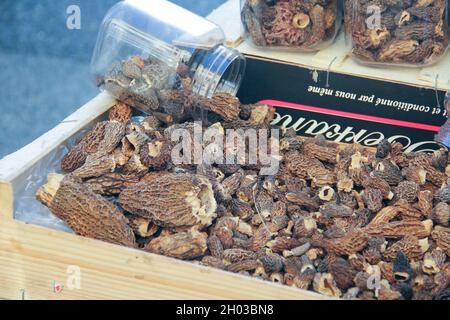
[[172, 200], [225, 105], [85, 212], [183, 245], [76, 157], [120, 112]]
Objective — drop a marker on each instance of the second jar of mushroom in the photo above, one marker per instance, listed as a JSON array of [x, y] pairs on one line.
[[303, 25], [397, 32]]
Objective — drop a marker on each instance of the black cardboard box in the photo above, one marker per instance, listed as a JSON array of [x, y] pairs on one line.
[[346, 108]]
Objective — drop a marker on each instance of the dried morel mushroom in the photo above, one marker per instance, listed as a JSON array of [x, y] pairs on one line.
[[87, 213], [409, 32], [172, 200], [183, 245], [223, 104], [111, 184], [120, 112]]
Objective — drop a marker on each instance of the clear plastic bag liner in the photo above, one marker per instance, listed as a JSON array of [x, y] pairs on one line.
[[27, 208]]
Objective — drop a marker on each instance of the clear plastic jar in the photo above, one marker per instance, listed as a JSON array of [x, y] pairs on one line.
[[303, 25], [144, 47], [443, 136], [397, 32]]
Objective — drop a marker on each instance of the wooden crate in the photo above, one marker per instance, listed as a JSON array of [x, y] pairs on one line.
[[33, 259]]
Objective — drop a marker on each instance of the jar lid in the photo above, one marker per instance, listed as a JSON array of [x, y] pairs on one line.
[[220, 69]]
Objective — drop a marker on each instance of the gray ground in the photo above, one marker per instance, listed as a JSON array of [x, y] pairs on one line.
[[44, 67]]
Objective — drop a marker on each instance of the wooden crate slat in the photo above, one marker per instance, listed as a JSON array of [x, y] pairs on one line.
[[32, 257]]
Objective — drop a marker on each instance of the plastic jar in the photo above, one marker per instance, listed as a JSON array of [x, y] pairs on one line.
[[303, 25], [397, 32], [144, 47]]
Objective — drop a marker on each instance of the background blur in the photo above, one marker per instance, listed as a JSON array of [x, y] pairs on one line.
[[44, 67]]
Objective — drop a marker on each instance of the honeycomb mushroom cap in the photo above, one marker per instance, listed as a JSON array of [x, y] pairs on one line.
[[86, 213], [172, 200]]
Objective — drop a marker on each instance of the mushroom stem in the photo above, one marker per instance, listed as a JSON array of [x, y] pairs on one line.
[[47, 192]]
